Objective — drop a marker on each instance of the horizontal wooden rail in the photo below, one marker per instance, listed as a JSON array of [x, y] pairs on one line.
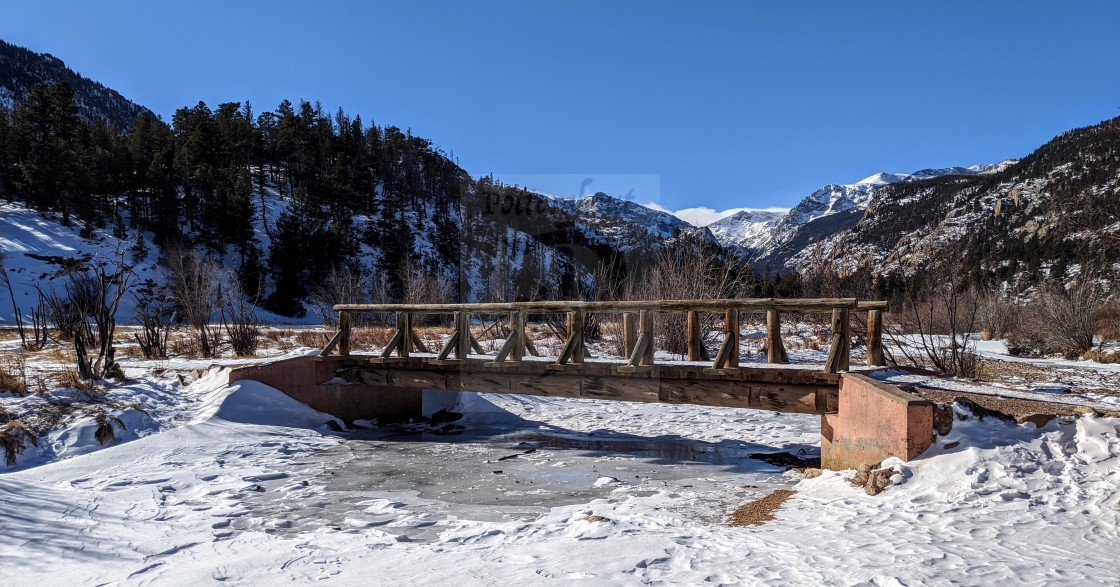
[[639, 343], [743, 305]]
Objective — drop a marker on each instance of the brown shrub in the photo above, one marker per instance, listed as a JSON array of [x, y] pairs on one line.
[[105, 432], [14, 437]]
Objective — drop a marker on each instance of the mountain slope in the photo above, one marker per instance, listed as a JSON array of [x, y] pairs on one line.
[[627, 223], [823, 214], [21, 69], [1054, 214]]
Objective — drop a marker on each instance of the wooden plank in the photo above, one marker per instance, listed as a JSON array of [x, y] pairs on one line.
[[633, 389], [418, 343], [567, 352], [393, 344], [452, 344], [693, 392], [490, 382], [333, 342], [724, 353], [507, 348], [871, 305], [639, 349], [475, 345], [875, 338], [775, 347], [532, 348], [548, 385], [790, 399]]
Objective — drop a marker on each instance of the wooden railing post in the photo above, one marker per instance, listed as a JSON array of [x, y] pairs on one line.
[[840, 347], [696, 350], [344, 329], [731, 330], [875, 338], [517, 329], [775, 349], [575, 328], [463, 327], [629, 333], [645, 319], [404, 327]]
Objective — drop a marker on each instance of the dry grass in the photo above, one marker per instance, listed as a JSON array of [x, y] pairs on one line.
[[9, 334], [311, 338], [760, 511], [9, 382], [1102, 356], [370, 337], [184, 345], [61, 355], [69, 378]]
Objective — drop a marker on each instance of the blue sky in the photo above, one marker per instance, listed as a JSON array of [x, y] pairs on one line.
[[686, 104]]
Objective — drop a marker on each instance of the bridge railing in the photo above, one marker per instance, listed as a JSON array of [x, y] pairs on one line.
[[637, 328]]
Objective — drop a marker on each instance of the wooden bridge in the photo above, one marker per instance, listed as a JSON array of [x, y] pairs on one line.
[[386, 384]]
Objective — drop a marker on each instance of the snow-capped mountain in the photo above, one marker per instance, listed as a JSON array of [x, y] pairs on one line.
[[823, 213], [1053, 215], [746, 231], [628, 223]]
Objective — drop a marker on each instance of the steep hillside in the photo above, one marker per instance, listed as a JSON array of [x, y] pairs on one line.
[[823, 214], [1054, 214], [21, 69]]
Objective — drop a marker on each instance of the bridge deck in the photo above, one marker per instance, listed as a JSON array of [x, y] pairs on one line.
[[809, 391]]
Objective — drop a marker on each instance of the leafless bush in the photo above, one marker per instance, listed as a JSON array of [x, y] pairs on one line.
[[88, 311], [240, 320], [341, 286], [996, 316], [933, 328], [193, 282], [1061, 320], [36, 338], [689, 269], [424, 287], [155, 313], [1108, 322]]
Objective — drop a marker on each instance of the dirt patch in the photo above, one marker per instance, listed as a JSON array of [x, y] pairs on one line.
[[760, 511]]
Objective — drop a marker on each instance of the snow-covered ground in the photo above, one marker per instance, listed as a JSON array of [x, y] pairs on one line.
[[242, 484]]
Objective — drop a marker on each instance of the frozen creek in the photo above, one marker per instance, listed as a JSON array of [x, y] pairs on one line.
[[410, 483]]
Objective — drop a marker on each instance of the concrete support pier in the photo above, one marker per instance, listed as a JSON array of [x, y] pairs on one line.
[[874, 421]]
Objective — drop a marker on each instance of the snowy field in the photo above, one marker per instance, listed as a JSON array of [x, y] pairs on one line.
[[243, 485]]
